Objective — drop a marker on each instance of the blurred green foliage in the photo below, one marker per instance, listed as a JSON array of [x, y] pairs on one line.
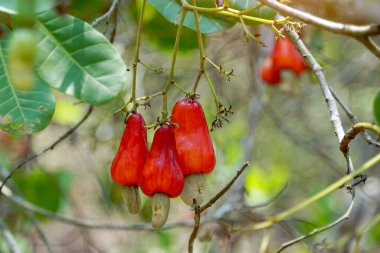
[[292, 143]]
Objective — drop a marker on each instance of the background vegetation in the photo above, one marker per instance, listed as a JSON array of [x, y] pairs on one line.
[[284, 131]]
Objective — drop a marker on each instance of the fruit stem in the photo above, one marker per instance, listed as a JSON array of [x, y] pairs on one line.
[[201, 49], [171, 74], [136, 58], [231, 12], [213, 93]]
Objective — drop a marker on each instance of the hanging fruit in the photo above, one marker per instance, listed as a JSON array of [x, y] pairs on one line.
[[129, 161], [194, 147], [162, 178], [269, 73], [286, 56], [283, 56]]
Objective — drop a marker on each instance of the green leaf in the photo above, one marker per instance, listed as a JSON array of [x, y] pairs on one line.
[[48, 190], [155, 23], [78, 60], [11, 6], [171, 10], [23, 112], [211, 22], [376, 107]]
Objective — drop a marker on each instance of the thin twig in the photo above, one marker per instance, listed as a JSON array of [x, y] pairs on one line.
[[354, 130], [249, 35], [272, 199], [106, 15], [201, 49], [113, 32], [310, 146], [270, 220], [225, 189], [370, 45], [136, 57], [353, 118], [90, 224], [50, 147], [41, 233], [264, 247], [345, 216], [194, 233], [198, 209], [9, 238], [365, 228]]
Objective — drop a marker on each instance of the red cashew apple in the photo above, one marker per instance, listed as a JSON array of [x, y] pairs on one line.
[[162, 178], [286, 56], [129, 161], [195, 151], [283, 56], [269, 73]]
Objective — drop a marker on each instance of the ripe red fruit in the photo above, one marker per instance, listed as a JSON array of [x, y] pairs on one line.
[[192, 138], [130, 158], [269, 73], [162, 178], [161, 172], [286, 56], [195, 151]]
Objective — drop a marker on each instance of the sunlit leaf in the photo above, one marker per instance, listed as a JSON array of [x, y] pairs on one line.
[[23, 112], [78, 60], [262, 184], [66, 112]]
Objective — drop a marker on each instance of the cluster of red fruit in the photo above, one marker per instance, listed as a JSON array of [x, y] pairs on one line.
[[180, 154], [283, 56]]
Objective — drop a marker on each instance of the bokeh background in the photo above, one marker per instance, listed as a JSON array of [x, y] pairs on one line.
[[284, 131]]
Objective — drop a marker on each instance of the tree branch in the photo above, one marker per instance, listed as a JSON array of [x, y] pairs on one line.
[[345, 216], [198, 209], [50, 147], [331, 104], [354, 130], [106, 15], [270, 220], [9, 238], [90, 224], [41, 234], [353, 118], [359, 32], [225, 189], [194, 233], [346, 29], [370, 45]]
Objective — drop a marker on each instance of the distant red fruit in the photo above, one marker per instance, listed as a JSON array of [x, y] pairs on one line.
[[269, 73], [283, 56], [286, 56]]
